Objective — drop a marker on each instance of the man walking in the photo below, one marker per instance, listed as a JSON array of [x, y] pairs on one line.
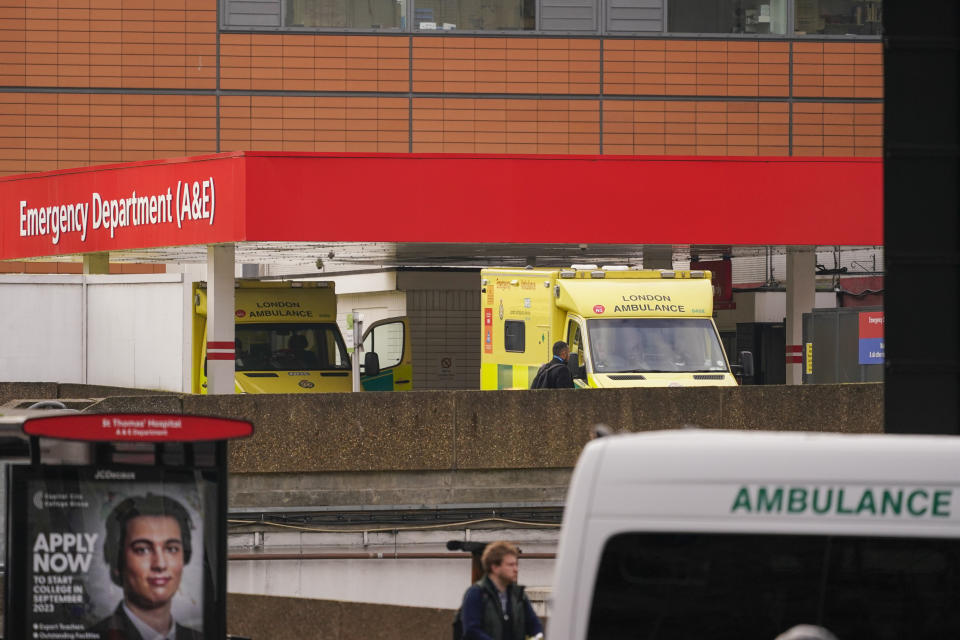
[[495, 607], [555, 374]]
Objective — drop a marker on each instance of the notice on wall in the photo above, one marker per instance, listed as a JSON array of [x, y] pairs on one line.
[[871, 337], [446, 367]]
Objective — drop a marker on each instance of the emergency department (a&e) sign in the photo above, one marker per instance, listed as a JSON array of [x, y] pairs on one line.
[[140, 205]]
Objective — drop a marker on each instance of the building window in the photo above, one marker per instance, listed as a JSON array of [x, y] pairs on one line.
[[727, 16], [491, 15], [513, 336], [838, 17], [346, 14]]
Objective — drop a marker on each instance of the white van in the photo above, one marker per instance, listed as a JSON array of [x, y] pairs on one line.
[[701, 534]]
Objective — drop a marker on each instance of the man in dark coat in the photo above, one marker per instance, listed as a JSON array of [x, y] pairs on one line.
[[495, 607], [555, 374], [148, 542]]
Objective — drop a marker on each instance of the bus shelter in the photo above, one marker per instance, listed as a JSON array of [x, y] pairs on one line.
[[118, 523]]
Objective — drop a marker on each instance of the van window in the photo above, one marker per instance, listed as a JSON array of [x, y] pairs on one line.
[[386, 340], [286, 346], [574, 339], [651, 345], [513, 336], [667, 586]]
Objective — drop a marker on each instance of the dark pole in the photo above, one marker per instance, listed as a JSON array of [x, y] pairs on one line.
[[921, 221]]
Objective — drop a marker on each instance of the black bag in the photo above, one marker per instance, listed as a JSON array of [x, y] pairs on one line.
[[540, 380], [458, 626], [458, 620]]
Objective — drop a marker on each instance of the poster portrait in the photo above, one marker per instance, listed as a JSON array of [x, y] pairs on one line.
[[111, 552]]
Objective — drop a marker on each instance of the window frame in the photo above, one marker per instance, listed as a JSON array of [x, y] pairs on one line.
[[522, 334], [601, 14]]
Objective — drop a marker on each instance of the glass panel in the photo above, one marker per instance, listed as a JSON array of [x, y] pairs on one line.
[[347, 14], [651, 345], [575, 342], [386, 340], [490, 15], [838, 17], [755, 587], [514, 338], [727, 16], [289, 346]]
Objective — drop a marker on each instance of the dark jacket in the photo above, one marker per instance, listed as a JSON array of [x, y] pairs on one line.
[[119, 627], [483, 617], [558, 375]]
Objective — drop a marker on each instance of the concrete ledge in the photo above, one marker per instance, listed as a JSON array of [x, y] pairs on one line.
[[394, 488], [276, 618], [483, 430]]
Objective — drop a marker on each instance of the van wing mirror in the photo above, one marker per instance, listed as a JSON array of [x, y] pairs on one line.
[[371, 363]]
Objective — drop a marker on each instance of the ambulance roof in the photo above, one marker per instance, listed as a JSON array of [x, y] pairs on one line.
[[693, 455], [636, 297]]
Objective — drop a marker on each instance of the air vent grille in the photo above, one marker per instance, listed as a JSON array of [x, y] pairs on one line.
[[708, 376], [627, 376]]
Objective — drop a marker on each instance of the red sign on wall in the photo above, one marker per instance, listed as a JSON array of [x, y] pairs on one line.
[[722, 279], [871, 324]]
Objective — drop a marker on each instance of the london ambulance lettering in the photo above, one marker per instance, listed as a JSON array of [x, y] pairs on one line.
[[184, 204], [886, 502], [648, 302], [277, 309]]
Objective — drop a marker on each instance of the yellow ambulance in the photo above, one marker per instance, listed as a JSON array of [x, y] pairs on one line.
[[625, 327], [288, 341]]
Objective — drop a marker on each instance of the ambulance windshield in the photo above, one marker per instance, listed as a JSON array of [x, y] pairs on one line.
[[654, 345], [289, 346]]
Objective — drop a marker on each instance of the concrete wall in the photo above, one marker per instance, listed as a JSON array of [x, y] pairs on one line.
[[481, 430], [273, 618]]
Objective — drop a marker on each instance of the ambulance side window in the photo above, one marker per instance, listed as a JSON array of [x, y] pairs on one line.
[[514, 336], [574, 339]]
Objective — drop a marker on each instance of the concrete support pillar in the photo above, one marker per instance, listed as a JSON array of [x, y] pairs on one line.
[[220, 327], [96, 263], [658, 256], [801, 291]]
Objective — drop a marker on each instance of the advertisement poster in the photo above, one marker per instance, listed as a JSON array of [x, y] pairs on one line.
[[110, 552]]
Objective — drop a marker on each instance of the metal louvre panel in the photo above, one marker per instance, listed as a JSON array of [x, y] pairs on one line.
[[749, 270], [635, 16], [252, 13], [568, 15]]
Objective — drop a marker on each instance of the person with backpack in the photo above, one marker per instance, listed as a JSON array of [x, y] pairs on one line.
[[496, 607], [555, 374]]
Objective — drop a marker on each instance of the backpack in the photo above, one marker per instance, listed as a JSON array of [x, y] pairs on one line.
[[458, 620], [458, 626], [540, 380]]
